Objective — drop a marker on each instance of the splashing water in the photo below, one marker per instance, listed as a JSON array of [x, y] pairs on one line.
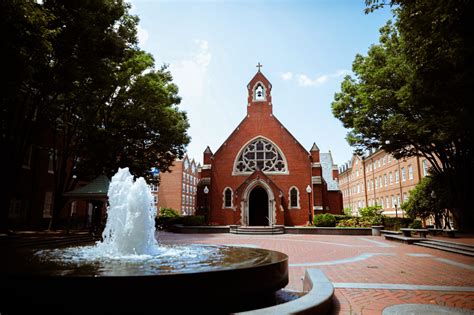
[[130, 227]]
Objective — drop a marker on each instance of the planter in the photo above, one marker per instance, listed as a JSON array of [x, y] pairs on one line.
[[376, 230]]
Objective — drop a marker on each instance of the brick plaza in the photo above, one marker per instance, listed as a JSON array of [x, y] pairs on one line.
[[368, 272]]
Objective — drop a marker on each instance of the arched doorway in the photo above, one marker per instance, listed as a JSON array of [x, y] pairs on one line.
[[258, 207]]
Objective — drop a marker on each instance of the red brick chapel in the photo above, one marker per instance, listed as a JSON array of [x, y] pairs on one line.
[[261, 174]]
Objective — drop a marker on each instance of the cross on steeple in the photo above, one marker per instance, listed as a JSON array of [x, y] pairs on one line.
[[259, 66]]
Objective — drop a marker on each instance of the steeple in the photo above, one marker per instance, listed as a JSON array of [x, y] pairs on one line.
[[315, 153], [259, 94], [207, 156]]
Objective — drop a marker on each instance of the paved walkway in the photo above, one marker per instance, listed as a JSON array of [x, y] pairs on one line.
[[368, 272]]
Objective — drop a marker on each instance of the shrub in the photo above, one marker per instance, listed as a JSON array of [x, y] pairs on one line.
[[193, 220], [325, 220], [348, 211], [416, 224], [340, 217], [395, 224], [168, 212], [355, 222]]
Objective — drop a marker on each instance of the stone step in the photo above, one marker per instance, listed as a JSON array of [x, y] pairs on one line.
[[450, 245], [403, 239], [257, 230], [447, 249]]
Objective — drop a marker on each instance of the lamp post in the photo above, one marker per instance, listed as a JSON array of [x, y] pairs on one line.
[[308, 190], [206, 191], [396, 211]]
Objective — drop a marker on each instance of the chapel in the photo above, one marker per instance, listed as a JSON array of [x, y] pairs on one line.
[[262, 176]]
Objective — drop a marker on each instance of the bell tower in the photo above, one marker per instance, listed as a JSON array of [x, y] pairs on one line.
[[259, 99]]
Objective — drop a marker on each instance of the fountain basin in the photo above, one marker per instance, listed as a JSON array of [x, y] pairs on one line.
[[226, 279]]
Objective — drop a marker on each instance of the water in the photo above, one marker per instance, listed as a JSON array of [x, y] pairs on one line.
[[130, 248], [130, 227]]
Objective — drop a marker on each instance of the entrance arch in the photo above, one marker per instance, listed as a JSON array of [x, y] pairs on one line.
[[249, 197], [258, 206]]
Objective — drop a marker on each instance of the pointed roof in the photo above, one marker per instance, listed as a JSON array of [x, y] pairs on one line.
[[95, 190], [208, 150], [314, 147]]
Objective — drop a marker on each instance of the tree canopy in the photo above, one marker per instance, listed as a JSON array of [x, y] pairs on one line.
[[410, 95], [80, 79]]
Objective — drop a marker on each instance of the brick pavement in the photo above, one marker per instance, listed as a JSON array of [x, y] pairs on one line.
[[355, 260]]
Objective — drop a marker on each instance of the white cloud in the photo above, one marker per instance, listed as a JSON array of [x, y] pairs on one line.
[[287, 76], [142, 35], [190, 73], [304, 80]]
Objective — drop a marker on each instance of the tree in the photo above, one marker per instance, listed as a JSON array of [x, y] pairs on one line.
[[26, 48], [104, 103], [428, 199], [411, 93]]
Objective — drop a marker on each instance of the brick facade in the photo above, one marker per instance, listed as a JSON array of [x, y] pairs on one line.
[[177, 189], [261, 153], [380, 179]]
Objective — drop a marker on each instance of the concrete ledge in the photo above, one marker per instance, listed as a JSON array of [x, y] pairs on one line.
[[179, 228], [404, 239], [328, 230], [318, 300]]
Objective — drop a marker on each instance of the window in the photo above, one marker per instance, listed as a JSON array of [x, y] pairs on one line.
[[376, 182], [294, 198], [48, 204], [405, 197], [380, 181], [410, 172], [51, 162], [385, 179], [228, 198], [398, 200], [383, 161], [357, 172], [390, 178], [262, 155], [259, 92], [404, 178], [394, 201], [378, 162], [381, 202], [358, 188], [386, 202], [397, 177], [27, 157], [184, 187], [424, 164]]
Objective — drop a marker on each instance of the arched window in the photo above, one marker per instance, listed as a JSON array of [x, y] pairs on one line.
[[228, 197], [259, 92], [294, 198], [260, 154]]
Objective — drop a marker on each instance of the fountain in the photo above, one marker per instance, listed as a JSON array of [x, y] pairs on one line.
[[128, 271]]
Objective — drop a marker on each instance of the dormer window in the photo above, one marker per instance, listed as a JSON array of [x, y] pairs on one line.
[[259, 92]]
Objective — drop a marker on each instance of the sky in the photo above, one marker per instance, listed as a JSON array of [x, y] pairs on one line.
[[212, 49]]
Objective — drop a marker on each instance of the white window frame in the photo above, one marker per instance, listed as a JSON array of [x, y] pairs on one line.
[[298, 205], [231, 198], [410, 172]]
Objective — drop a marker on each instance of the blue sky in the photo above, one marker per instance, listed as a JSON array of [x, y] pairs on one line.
[[306, 48]]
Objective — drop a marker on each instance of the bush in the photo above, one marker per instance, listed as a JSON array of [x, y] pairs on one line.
[[324, 220], [168, 212], [340, 217], [395, 224], [355, 222], [416, 224], [193, 220], [372, 214]]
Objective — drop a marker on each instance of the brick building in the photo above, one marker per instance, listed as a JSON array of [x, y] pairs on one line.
[[177, 188], [261, 173], [380, 179]]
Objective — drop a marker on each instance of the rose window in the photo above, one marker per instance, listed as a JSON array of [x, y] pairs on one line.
[[261, 155]]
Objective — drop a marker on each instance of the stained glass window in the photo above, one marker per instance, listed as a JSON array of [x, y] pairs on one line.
[[262, 155]]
